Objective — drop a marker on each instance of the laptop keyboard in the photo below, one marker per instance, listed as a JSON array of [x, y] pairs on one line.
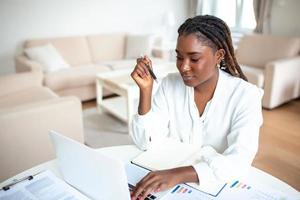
[[149, 197]]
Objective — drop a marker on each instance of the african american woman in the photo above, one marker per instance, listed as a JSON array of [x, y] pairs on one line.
[[208, 103]]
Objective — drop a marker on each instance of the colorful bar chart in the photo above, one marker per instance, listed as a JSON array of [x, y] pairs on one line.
[[181, 189], [238, 184]]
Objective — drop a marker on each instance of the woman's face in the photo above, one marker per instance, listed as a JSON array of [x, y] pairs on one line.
[[196, 62]]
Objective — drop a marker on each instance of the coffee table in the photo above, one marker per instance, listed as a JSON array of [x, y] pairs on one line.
[[124, 106]]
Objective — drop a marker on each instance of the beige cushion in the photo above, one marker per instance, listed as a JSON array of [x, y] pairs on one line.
[[48, 57], [137, 45], [257, 50], [31, 95], [107, 46], [74, 50], [74, 77], [254, 75]]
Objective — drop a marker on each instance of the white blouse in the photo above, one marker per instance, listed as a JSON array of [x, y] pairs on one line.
[[227, 131]]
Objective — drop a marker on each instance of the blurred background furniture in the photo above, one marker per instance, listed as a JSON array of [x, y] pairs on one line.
[[271, 63], [81, 58], [125, 105], [27, 112]]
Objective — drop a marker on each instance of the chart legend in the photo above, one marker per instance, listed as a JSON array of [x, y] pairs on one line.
[[238, 184], [181, 189]]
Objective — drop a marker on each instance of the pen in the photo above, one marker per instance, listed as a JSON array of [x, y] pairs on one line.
[[17, 181], [150, 70], [152, 74]]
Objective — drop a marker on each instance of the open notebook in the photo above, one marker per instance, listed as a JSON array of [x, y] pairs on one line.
[[171, 154]]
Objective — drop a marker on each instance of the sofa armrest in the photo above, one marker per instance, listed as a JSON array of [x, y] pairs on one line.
[[24, 130], [282, 82], [15, 82], [24, 64]]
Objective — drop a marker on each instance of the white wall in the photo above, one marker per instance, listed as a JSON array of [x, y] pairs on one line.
[[285, 15], [24, 19]]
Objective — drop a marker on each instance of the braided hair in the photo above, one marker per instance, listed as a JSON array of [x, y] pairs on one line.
[[214, 32]]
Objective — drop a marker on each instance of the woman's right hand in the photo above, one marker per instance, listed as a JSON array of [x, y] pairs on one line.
[[141, 74]]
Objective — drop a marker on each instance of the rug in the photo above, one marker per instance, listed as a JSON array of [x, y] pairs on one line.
[[103, 129]]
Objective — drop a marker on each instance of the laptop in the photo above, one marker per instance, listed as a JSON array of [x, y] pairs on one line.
[[94, 174]]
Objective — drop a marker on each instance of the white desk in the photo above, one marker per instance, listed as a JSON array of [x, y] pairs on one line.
[[127, 152]]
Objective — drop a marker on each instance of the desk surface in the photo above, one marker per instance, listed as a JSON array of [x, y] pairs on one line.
[[128, 152]]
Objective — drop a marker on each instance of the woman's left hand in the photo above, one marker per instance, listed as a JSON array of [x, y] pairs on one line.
[[154, 182]]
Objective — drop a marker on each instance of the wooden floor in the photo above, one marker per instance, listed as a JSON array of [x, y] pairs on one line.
[[279, 145], [279, 150]]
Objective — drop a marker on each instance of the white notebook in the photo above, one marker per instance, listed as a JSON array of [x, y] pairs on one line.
[[171, 154], [166, 155]]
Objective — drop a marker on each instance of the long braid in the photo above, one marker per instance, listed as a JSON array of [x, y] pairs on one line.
[[216, 34]]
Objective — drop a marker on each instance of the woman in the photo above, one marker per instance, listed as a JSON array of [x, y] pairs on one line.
[[208, 103]]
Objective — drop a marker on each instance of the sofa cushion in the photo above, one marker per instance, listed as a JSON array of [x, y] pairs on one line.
[[257, 50], [74, 50], [137, 45], [129, 63], [254, 75], [30, 95], [107, 46], [48, 57], [74, 77]]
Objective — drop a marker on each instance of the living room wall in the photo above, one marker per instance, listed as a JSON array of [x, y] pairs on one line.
[[285, 18], [21, 20]]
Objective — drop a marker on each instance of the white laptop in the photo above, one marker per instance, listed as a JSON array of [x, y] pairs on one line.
[[94, 174]]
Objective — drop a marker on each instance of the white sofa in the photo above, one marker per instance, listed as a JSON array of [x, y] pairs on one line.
[[272, 63], [87, 56], [27, 112]]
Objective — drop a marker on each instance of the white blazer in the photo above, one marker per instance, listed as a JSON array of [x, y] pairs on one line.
[[227, 131]]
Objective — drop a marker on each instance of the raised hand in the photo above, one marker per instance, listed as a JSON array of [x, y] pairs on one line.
[[141, 73]]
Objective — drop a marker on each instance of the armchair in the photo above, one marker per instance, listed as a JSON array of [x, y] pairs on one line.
[[272, 63], [27, 111]]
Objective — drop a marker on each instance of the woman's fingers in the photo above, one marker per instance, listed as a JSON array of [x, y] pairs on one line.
[[140, 72], [147, 61], [150, 188], [143, 186], [138, 191], [142, 67]]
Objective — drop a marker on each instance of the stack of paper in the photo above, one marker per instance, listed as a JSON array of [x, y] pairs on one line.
[[44, 186]]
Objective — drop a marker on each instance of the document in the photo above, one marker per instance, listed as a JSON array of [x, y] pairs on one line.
[[243, 190], [172, 154], [43, 186]]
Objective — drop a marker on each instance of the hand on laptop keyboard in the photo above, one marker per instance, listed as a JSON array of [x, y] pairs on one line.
[[149, 197], [162, 180]]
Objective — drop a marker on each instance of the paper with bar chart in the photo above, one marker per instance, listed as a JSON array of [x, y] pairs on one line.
[[234, 190], [241, 190]]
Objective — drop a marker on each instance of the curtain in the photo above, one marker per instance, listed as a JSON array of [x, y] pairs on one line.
[[262, 12], [194, 7]]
